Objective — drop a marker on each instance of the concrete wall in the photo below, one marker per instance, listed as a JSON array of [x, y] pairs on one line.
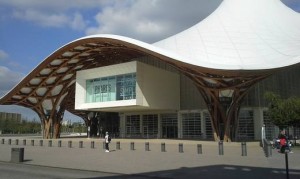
[[156, 89], [83, 75], [159, 89]]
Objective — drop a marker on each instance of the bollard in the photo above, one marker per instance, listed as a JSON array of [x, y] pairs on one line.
[[50, 143], [199, 148], [287, 165], [9, 141], [41, 142], [17, 155], [269, 153], [70, 144], [32, 142], [2, 141], [221, 148], [103, 145], [118, 145], [244, 149], [59, 143], [92, 144], [24, 141], [17, 141], [163, 147], [180, 147], [147, 146], [132, 146], [80, 144]]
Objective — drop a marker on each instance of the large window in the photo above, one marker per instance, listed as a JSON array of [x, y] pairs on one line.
[[113, 88], [270, 128], [169, 124], [246, 125], [191, 125], [133, 126], [150, 125]]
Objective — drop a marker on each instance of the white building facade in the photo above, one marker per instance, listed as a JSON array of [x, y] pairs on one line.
[[153, 100], [205, 82]]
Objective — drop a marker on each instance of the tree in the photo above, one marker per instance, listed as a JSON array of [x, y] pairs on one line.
[[14, 126], [283, 112]]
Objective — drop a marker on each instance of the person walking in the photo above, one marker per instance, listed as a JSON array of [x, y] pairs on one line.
[[283, 141], [107, 141]]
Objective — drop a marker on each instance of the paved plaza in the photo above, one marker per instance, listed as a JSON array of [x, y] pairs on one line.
[[153, 162]]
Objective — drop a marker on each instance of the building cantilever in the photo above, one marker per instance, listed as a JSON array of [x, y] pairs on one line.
[[239, 44]]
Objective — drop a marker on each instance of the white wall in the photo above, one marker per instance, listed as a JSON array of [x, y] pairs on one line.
[[156, 89], [159, 89], [83, 75]]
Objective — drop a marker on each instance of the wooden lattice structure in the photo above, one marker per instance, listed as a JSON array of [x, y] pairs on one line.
[[239, 44]]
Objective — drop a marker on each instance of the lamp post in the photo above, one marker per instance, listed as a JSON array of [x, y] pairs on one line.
[[263, 134]]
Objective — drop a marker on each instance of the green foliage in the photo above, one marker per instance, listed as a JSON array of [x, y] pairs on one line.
[[8, 126], [283, 112], [76, 127]]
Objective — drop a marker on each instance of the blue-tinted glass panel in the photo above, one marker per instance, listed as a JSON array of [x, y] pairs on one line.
[[89, 91], [112, 88]]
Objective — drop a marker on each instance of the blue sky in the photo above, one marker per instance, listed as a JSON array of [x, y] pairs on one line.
[[30, 30]]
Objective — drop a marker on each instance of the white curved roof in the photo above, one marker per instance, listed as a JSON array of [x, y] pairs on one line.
[[241, 35]]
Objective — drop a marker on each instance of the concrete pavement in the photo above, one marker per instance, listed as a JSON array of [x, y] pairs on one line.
[[155, 163]]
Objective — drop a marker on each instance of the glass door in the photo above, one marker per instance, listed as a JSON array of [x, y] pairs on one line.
[[169, 126]]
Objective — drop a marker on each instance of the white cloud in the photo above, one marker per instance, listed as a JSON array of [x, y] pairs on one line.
[[8, 79], [6, 61], [54, 13], [149, 20], [74, 21], [153, 20], [146, 20], [3, 55], [78, 22], [55, 5], [52, 20]]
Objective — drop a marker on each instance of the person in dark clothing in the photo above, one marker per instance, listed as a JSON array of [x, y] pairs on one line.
[[107, 141]]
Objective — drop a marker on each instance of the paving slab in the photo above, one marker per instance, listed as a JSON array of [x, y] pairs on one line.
[[169, 164]]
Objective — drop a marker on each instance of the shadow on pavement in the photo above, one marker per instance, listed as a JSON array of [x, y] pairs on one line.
[[217, 172]]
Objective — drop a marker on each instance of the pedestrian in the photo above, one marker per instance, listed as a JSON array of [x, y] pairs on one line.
[[283, 141], [107, 141], [289, 144]]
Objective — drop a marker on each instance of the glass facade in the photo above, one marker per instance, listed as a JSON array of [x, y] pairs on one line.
[[133, 126], [169, 124], [270, 127], [112, 88], [150, 125], [191, 125], [246, 125]]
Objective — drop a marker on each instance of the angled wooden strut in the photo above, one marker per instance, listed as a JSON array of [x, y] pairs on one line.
[[224, 108]]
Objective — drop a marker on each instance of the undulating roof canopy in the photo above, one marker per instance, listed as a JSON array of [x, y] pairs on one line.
[[241, 35], [241, 38]]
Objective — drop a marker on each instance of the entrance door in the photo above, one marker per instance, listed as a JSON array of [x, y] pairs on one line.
[[170, 131], [169, 125], [145, 132]]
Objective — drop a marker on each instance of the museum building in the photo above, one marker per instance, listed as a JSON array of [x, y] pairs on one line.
[[207, 82]]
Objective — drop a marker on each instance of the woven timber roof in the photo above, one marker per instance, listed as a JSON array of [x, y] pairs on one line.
[[242, 38]]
